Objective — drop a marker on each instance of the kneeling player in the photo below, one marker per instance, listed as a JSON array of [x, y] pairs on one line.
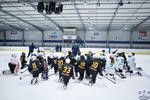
[[13, 65], [35, 68], [66, 72]]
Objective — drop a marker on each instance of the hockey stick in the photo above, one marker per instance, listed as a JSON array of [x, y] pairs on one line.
[[109, 79], [24, 71], [51, 75], [86, 84]]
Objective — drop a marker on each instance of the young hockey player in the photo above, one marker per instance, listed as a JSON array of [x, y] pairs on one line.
[[88, 64], [103, 58], [66, 72], [13, 65], [95, 67], [76, 65], [35, 68], [119, 65], [131, 63], [81, 67], [110, 67], [44, 64], [49, 59], [23, 60], [54, 64], [60, 62]]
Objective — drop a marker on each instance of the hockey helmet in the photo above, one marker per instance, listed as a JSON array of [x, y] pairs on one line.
[[67, 61], [82, 57], [130, 55], [96, 56], [14, 55]]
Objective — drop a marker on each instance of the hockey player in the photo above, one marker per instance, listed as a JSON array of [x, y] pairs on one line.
[[66, 72], [54, 64], [60, 62], [81, 67], [76, 65], [110, 67], [103, 58], [49, 59], [23, 60], [131, 63], [88, 64], [35, 68], [13, 65], [119, 65], [95, 68]]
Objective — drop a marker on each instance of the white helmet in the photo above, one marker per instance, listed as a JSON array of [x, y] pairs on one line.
[[62, 55], [59, 56], [112, 55], [14, 55], [33, 57], [130, 55], [67, 61], [96, 56]]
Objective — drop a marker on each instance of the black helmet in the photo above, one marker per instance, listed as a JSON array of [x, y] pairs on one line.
[[82, 57]]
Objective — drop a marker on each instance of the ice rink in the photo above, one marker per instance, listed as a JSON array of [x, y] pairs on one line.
[[12, 88]]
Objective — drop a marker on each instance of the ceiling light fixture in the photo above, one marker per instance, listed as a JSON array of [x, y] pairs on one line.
[[121, 3], [90, 28], [85, 3]]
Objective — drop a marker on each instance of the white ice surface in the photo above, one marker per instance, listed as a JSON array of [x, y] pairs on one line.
[[12, 88]]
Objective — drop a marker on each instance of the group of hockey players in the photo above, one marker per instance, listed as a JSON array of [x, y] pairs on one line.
[[66, 66]]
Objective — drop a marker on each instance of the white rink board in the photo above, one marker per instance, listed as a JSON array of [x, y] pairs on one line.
[[83, 50]]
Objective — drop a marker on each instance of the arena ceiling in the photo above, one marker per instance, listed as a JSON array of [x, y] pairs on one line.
[[81, 14]]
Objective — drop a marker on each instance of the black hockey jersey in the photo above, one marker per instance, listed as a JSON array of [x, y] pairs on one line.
[[35, 66], [67, 70]]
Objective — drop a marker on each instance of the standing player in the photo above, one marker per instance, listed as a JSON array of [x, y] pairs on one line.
[[75, 49], [66, 72], [31, 49]]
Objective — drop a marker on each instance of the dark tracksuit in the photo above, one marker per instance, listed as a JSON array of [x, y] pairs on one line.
[[66, 72], [31, 49], [75, 49], [95, 67]]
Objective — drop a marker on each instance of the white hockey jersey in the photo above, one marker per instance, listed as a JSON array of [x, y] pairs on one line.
[[131, 62], [15, 61], [119, 62], [110, 67]]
